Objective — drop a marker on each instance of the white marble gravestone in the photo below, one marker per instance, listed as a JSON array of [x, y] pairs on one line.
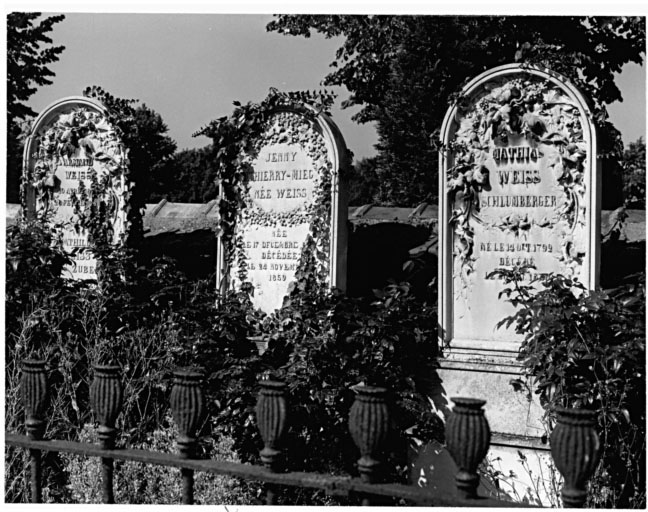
[[293, 193], [519, 185], [524, 145], [72, 144]]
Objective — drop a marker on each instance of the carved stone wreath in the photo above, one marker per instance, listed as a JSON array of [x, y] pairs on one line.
[[81, 129], [286, 127]]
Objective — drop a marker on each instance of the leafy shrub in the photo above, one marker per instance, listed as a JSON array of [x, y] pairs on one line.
[[149, 320], [586, 349], [34, 263], [42, 320], [322, 346], [388, 342], [145, 355]]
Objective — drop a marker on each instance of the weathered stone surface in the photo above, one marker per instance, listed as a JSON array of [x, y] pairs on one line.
[[166, 217], [513, 414]]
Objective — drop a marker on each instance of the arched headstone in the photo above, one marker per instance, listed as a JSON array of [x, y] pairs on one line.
[[73, 151], [519, 186], [295, 209], [519, 181]]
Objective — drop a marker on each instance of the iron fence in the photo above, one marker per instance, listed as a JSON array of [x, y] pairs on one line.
[[574, 443]]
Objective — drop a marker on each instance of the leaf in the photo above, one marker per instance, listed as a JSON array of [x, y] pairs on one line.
[[626, 415]]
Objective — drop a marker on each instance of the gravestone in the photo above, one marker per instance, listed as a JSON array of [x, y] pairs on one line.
[[519, 185], [295, 210], [73, 156]]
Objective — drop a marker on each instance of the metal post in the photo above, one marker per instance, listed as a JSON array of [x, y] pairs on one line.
[[106, 396], [34, 397], [271, 413], [576, 450], [36, 476], [187, 486], [188, 409], [369, 424], [107, 480]]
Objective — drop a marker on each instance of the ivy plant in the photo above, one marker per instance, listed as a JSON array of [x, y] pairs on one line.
[[238, 139]]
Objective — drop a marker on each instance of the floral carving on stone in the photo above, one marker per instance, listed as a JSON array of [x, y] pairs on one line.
[[502, 110], [77, 166]]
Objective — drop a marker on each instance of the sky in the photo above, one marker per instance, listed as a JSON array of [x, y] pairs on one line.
[[191, 67]]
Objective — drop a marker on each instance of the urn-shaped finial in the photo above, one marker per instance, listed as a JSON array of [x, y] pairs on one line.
[[271, 413], [33, 385], [187, 407], [575, 448], [369, 423], [467, 440], [106, 397]]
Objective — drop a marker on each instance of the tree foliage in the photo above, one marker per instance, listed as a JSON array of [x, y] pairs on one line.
[[364, 182], [404, 70], [187, 177], [634, 174], [29, 53], [144, 133], [26, 61]]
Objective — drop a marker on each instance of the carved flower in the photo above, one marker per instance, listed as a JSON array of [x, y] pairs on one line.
[[40, 169], [66, 120], [515, 223], [551, 96], [102, 125], [481, 174], [88, 145]]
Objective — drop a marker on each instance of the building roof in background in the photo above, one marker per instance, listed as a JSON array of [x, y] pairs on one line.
[[165, 217]]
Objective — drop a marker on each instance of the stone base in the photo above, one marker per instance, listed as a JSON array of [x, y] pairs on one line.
[[519, 475], [519, 458], [468, 371]]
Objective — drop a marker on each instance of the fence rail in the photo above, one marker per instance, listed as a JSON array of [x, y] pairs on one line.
[[574, 443]]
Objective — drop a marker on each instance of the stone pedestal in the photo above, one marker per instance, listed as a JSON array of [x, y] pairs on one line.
[[518, 457], [514, 416]]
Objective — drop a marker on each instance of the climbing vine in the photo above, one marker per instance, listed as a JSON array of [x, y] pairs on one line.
[[288, 118], [541, 113]]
